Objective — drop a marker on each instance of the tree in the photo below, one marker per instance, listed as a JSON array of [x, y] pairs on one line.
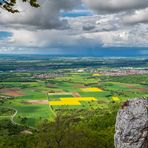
[[9, 5]]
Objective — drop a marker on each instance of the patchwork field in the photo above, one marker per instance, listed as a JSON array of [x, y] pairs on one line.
[[41, 99]]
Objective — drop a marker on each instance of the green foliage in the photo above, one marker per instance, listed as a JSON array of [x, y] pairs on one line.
[[9, 5], [80, 129], [94, 130], [131, 79], [6, 111]]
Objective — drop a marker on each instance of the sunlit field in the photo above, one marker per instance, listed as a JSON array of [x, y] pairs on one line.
[[39, 100], [93, 89], [71, 101]]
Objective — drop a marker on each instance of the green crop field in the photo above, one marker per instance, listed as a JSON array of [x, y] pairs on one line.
[[70, 86]]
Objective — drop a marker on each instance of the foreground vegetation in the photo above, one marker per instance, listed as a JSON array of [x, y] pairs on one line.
[[83, 128]]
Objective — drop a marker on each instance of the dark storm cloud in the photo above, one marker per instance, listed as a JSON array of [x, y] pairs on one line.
[[136, 17], [88, 27], [115, 6], [129, 11], [45, 17]]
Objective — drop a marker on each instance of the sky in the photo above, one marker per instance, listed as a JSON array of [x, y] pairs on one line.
[[76, 27]]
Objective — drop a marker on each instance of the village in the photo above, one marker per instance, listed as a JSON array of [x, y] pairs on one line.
[[49, 75], [123, 72]]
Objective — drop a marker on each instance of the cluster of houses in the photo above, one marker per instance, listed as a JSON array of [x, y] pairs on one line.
[[107, 72], [123, 72], [49, 75]]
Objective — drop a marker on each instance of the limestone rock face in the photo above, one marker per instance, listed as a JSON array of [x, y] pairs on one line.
[[131, 130]]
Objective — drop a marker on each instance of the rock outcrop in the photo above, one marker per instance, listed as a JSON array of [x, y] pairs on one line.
[[131, 130]]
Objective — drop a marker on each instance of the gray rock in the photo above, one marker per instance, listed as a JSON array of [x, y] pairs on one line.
[[131, 130]]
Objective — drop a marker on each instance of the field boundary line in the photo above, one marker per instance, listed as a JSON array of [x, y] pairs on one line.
[[13, 116]]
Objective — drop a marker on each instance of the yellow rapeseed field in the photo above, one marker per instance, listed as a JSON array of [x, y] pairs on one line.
[[79, 99], [60, 103], [115, 99], [71, 101], [96, 75], [92, 89]]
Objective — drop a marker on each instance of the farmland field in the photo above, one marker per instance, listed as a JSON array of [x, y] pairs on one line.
[[36, 95], [32, 94]]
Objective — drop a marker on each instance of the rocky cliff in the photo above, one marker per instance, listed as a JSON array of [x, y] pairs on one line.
[[131, 130]]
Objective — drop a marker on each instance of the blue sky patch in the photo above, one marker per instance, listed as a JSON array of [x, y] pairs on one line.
[[4, 34], [76, 14], [80, 10]]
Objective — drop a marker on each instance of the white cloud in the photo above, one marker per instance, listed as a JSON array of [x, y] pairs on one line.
[[138, 16], [49, 39]]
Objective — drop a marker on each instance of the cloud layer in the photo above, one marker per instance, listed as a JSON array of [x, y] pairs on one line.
[[111, 23], [45, 17], [115, 6]]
